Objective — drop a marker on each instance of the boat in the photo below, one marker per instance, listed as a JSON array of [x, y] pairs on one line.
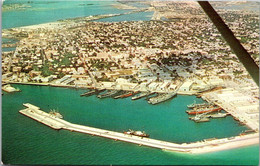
[[92, 92], [200, 118], [218, 115], [195, 105], [107, 94], [127, 94], [55, 114], [203, 110], [161, 98], [139, 96], [136, 133]]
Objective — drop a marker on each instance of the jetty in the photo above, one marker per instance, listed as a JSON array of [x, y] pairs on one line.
[[203, 146]]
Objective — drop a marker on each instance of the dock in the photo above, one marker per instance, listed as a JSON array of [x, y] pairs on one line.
[[231, 105], [35, 113]]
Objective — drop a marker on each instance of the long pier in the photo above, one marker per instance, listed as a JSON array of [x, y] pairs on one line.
[[35, 113]]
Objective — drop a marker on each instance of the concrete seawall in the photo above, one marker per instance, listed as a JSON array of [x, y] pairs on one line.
[[196, 147]]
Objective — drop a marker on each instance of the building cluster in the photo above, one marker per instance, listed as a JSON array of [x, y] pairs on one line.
[[157, 55]]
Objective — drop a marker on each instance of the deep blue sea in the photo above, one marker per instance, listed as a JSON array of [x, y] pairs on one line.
[[25, 141]]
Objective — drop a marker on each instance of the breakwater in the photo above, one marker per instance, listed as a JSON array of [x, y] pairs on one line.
[[196, 147]]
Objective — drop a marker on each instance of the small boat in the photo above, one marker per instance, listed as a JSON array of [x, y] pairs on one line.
[[200, 118], [218, 115], [136, 133], [55, 114]]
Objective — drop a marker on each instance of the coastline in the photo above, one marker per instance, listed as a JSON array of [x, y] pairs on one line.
[[68, 23], [89, 86], [204, 96], [76, 22]]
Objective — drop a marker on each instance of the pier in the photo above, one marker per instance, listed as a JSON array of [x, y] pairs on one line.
[[35, 113], [229, 104]]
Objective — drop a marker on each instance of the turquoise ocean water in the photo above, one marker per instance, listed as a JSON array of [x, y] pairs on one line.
[[25, 141], [48, 11]]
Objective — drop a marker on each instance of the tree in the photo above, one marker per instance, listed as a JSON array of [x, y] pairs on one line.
[[46, 71]]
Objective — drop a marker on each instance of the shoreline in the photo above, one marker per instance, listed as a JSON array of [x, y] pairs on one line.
[[87, 87], [196, 93], [203, 96], [66, 23], [204, 146]]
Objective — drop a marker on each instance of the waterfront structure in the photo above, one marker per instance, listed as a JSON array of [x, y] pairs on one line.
[[196, 147], [9, 88], [150, 58]]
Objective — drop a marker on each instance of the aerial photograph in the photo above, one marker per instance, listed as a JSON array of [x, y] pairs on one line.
[[121, 82]]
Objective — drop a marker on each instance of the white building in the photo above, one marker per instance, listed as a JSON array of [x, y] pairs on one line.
[[186, 86]]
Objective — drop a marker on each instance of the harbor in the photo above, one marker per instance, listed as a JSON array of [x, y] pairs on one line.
[[102, 78], [243, 108], [212, 104], [167, 121], [203, 146], [151, 97]]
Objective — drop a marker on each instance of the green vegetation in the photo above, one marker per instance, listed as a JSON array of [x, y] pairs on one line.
[[60, 75], [237, 72], [244, 40], [205, 61], [34, 67], [255, 56], [46, 70], [66, 61]]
